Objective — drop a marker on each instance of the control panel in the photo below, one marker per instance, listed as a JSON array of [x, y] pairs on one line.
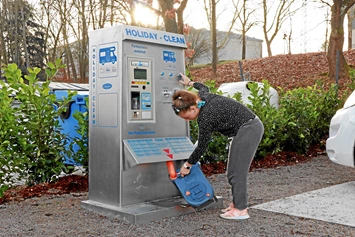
[[151, 150], [140, 90]]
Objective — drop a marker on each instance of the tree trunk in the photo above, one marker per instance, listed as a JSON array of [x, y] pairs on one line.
[[326, 33], [102, 15], [284, 10], [68, 53], [336, 42], [214, 38], [3, 56], [170, 23], [244, 40], [16, 57], [24, 39], [244, 46], [350, 16], [265, 30], [83, 59], [180, 16]]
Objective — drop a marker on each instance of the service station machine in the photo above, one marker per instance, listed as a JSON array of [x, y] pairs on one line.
[[133, 130]]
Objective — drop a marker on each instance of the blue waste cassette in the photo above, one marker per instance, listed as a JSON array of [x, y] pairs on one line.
[[195, 188]]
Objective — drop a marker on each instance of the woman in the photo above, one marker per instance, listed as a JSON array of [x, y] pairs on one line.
[[215, 113]]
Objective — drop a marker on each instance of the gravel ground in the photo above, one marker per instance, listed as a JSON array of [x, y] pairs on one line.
[[63, 215]]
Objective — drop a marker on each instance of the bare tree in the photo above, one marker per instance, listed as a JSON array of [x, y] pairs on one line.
[[326, 41], [68, 24], [21, 36], [287, 39], [16, 56], [24, 38], [64, 10], [3, 55], [210, 9], [171, 15], [200, 43], [102, 13], [282, 11], [213, 23], [111, 12], [83, 40], [243, 14], [335, 55]]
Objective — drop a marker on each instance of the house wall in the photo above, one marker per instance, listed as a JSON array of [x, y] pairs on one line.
[[232, 50]]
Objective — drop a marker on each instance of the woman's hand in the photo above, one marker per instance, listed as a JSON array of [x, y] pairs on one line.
[[184, 80], [185, 169]]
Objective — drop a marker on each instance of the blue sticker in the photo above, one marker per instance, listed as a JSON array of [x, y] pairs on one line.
[[169, 56], [107, 86], [108, 55]]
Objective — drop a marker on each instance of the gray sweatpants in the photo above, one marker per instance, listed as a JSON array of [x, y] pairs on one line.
[[241, 153]]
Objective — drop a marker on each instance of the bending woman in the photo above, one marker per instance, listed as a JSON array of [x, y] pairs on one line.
[[215, 113]]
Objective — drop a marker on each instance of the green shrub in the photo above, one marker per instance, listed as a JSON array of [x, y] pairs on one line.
[[275, 121], [311, 109], [10, 162], [32, 147], [81, 155]]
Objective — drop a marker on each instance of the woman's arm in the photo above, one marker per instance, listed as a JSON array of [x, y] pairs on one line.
[[204, 138], [197, 85], [185, 80]]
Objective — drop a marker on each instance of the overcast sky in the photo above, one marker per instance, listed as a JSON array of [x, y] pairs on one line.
[[308, 26]]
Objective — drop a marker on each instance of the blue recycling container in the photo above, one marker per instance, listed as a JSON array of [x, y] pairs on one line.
[[68, 123]]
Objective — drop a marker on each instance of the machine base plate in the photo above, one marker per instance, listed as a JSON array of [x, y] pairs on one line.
[[148, 211]]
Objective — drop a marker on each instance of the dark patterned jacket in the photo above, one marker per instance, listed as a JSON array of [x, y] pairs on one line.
[[219, 114]]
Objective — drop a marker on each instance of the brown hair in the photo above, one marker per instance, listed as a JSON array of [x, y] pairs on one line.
[[183, 99]]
